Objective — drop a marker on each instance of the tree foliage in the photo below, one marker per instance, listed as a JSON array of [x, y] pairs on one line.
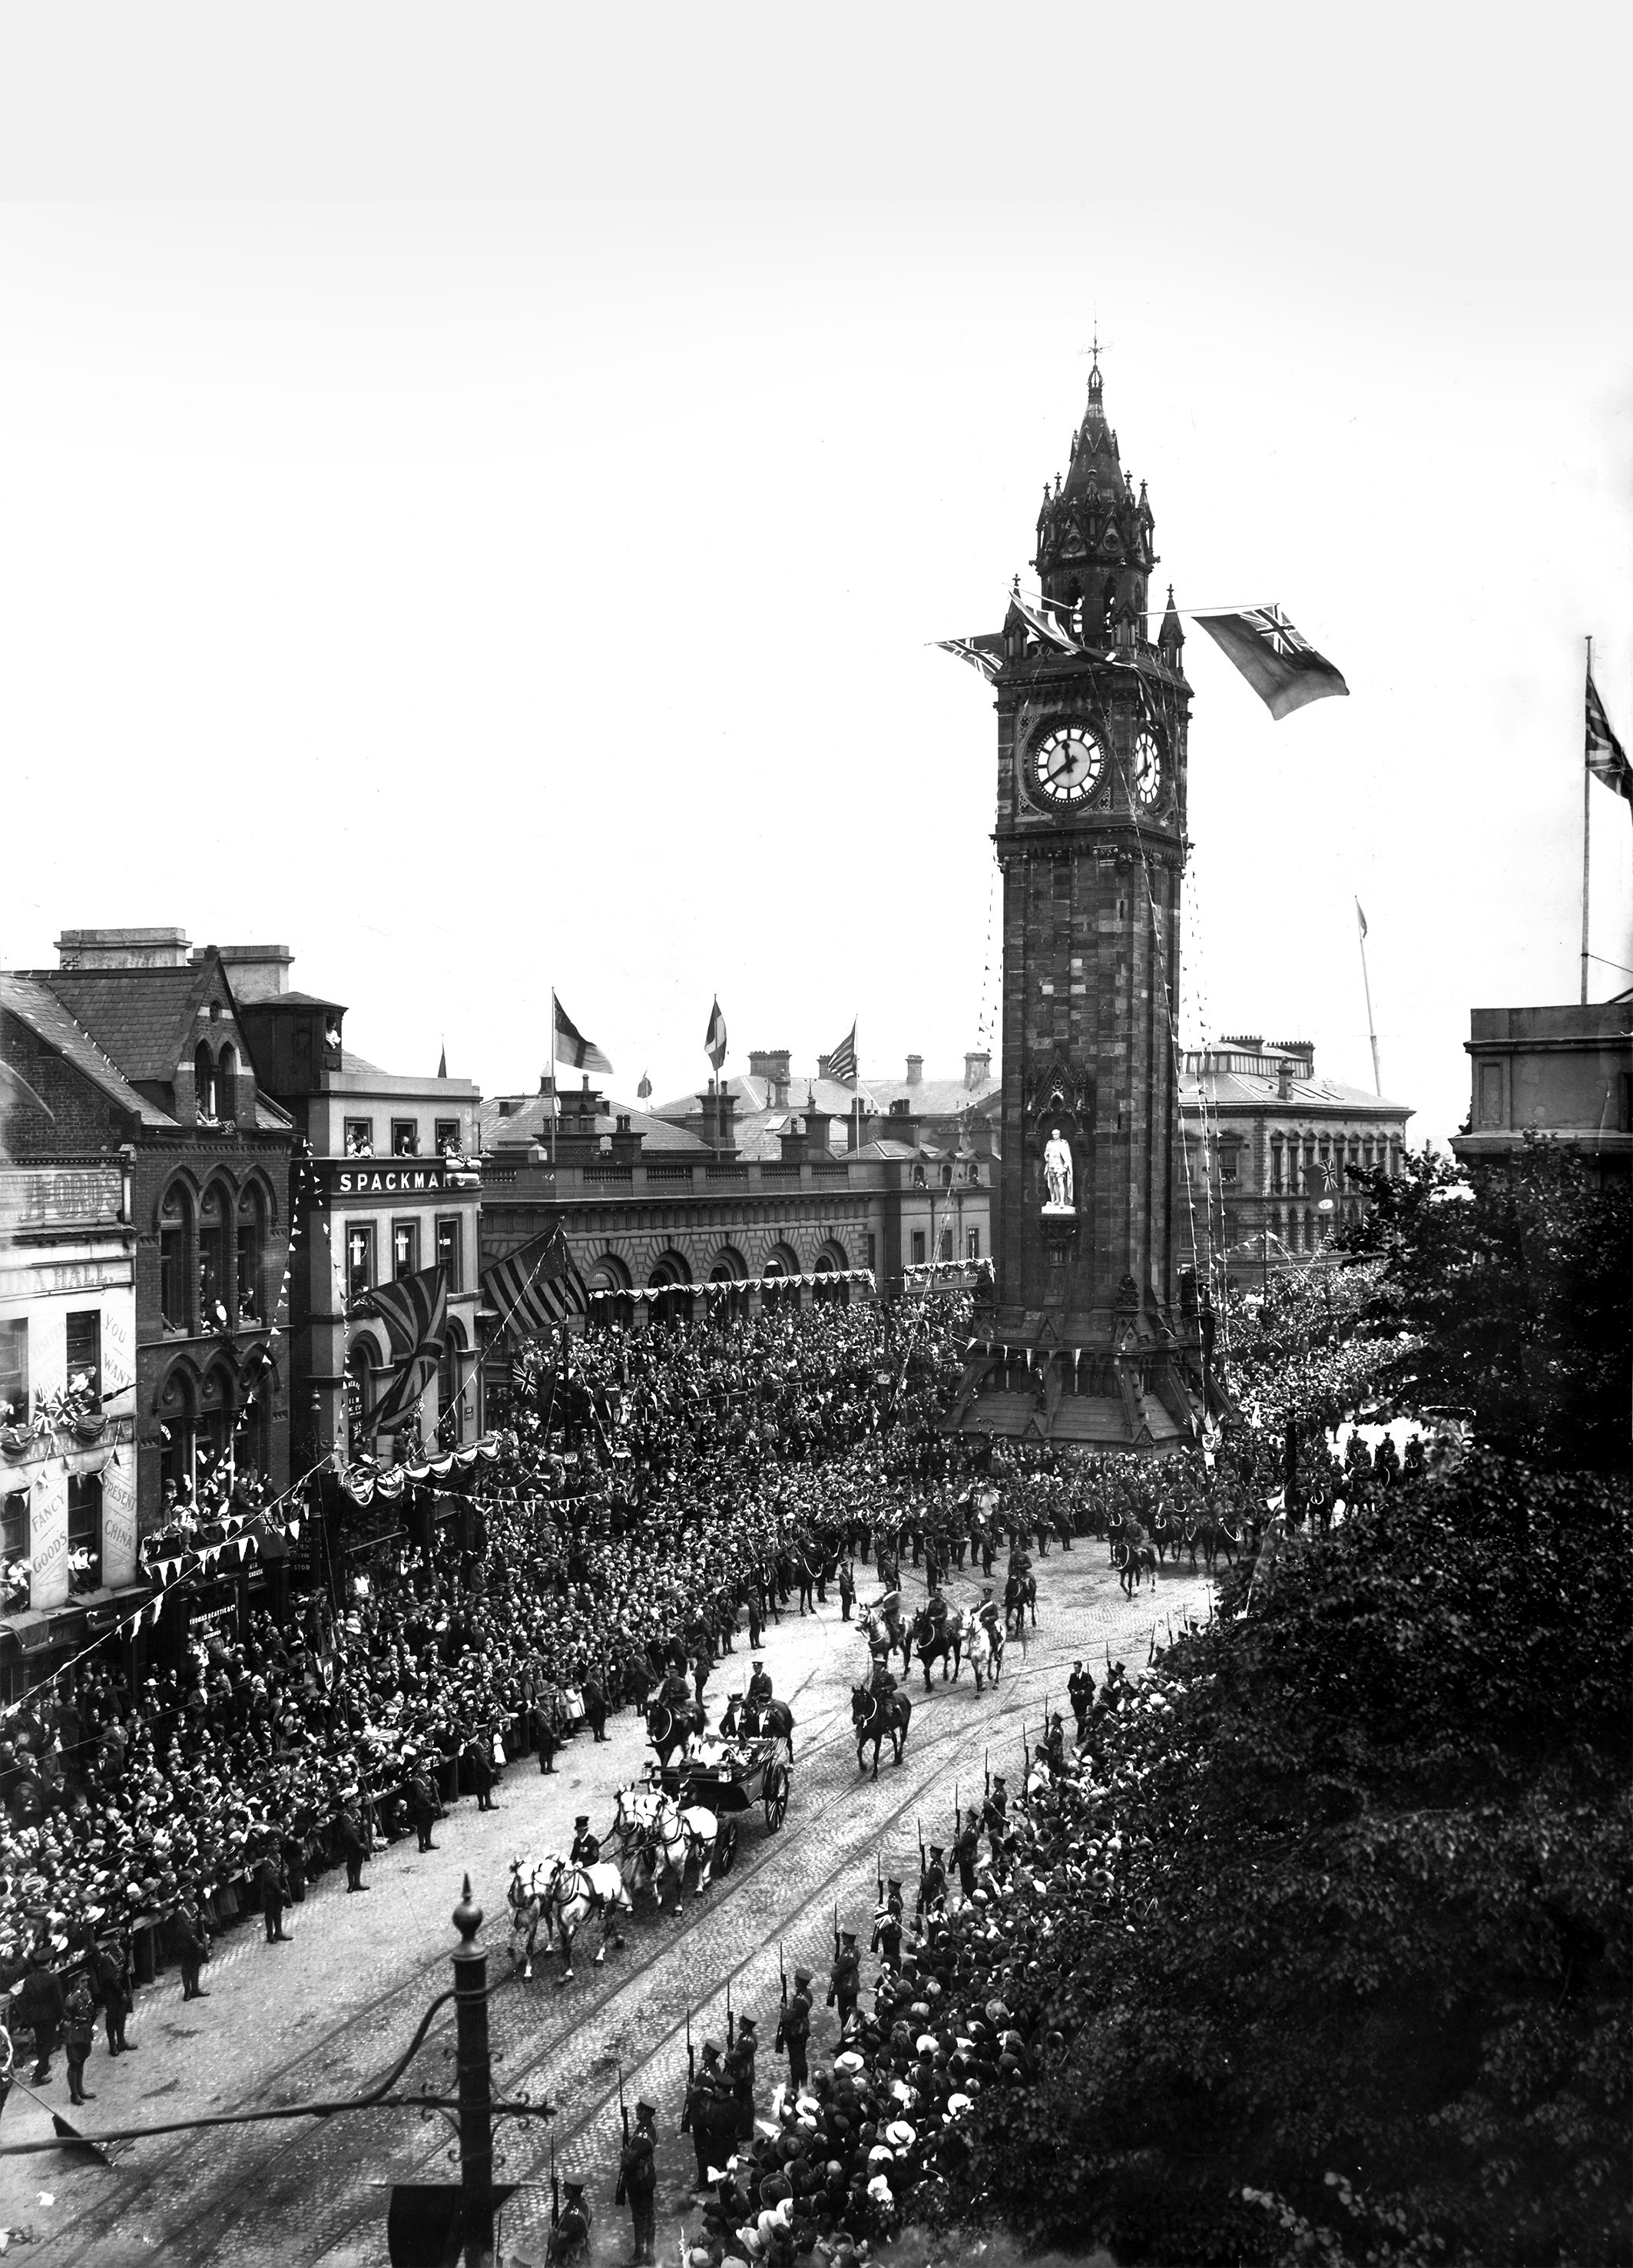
[[1348, 1899], [1515, 1278]]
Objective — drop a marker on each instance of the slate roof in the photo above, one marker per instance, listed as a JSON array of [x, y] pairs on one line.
[[50, 1021], [141, 1018], [942, 1098], [1313, 1097], [529, 1121]]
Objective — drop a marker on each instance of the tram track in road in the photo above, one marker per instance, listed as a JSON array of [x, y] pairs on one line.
[[586, 2033], [278, 2173]]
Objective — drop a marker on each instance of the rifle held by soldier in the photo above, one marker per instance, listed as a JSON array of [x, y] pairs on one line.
[[731, 2020], [620, 2194], [781, 2018], [831, 1993], [691, 2074]]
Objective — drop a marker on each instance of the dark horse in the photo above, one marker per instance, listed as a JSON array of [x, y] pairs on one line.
[[938, 1638], [1211, 1535], [668, 1728], [753, 1717], [879, 1716], [1021, 1592], [1132, 1561]]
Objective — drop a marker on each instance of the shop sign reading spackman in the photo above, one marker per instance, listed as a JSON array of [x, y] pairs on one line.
[[347, 1178]]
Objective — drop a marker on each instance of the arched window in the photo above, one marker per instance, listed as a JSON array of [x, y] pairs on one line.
[[780, 1266], [451, 1404], [252, 1233], [175, 1225], [250, 1429], [204, 1081], [609, 1275], [217, 1422], [361, 1357], [176, 1411], [674, 1310], [227, 1082], [212, 1259]]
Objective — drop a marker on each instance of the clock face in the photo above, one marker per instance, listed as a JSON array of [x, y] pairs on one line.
[[1067, 766], [1146, 769]]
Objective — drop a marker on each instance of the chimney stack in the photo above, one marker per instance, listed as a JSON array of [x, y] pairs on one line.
[[977, 1068], [772, 1065], [915, 1071], [123, 948]]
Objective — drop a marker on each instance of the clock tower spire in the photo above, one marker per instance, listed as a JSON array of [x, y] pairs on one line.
[[1091, 1338]]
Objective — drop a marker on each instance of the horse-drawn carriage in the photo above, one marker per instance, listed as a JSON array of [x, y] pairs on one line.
[[745, 1775]]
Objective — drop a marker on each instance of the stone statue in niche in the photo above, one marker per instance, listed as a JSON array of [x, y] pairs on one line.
[[1057, 1173]]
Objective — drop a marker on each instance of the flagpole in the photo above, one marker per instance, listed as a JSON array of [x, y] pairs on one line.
[[1366, 986], [1587, 829]]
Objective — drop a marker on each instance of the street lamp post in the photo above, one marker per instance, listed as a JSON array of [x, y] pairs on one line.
[[476, 2069]]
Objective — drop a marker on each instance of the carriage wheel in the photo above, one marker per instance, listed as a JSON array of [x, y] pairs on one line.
[[777, 1801], [725, 1847]]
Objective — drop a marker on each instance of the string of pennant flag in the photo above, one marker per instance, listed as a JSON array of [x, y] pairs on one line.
[[739, 1283]]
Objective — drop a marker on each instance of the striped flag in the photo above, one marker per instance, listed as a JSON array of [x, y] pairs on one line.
[[714, 1038], [842, 1064], [1606, 758], [570, 1045], [537, 1286], [415, 1312]]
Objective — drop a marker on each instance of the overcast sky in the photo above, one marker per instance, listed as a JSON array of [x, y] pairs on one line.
[[528, 574]]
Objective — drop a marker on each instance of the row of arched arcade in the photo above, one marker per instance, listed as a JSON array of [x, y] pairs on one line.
[[673, 1278]]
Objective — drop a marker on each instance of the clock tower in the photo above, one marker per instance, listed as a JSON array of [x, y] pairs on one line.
[[1091, 1338]]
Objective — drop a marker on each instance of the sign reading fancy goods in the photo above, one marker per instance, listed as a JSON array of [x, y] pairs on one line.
[[394, 1177]]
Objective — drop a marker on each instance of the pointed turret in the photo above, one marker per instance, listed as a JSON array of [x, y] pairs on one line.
[[1171, 637], [1094, 538]]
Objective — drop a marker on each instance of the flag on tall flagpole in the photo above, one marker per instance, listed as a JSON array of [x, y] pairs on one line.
[[714, 1038], [1361, 918], [644, 1092], [1606, 758], [536, 1286], [1283, 669], [842, 1064], [569, 1044], [415, 1312]]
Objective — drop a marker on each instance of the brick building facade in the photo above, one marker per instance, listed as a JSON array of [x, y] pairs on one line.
[[390, 1186], [132, 1045]]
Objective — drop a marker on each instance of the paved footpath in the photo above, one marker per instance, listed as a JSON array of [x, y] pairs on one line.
[[326, 2016]]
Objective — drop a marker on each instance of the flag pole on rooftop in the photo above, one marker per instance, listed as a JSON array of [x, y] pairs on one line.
[[1366, 986], [1587, 820]]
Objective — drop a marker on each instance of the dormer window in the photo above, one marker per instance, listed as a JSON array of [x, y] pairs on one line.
[[204, 1084]]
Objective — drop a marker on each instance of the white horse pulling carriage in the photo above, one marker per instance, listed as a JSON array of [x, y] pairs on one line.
[[562, 1894], [744, 1775]]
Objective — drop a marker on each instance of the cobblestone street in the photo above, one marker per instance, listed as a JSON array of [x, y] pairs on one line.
[[327, 2014]]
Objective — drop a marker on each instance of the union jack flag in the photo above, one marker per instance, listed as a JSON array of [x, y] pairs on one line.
[[415, 1312], [1281, 666]]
